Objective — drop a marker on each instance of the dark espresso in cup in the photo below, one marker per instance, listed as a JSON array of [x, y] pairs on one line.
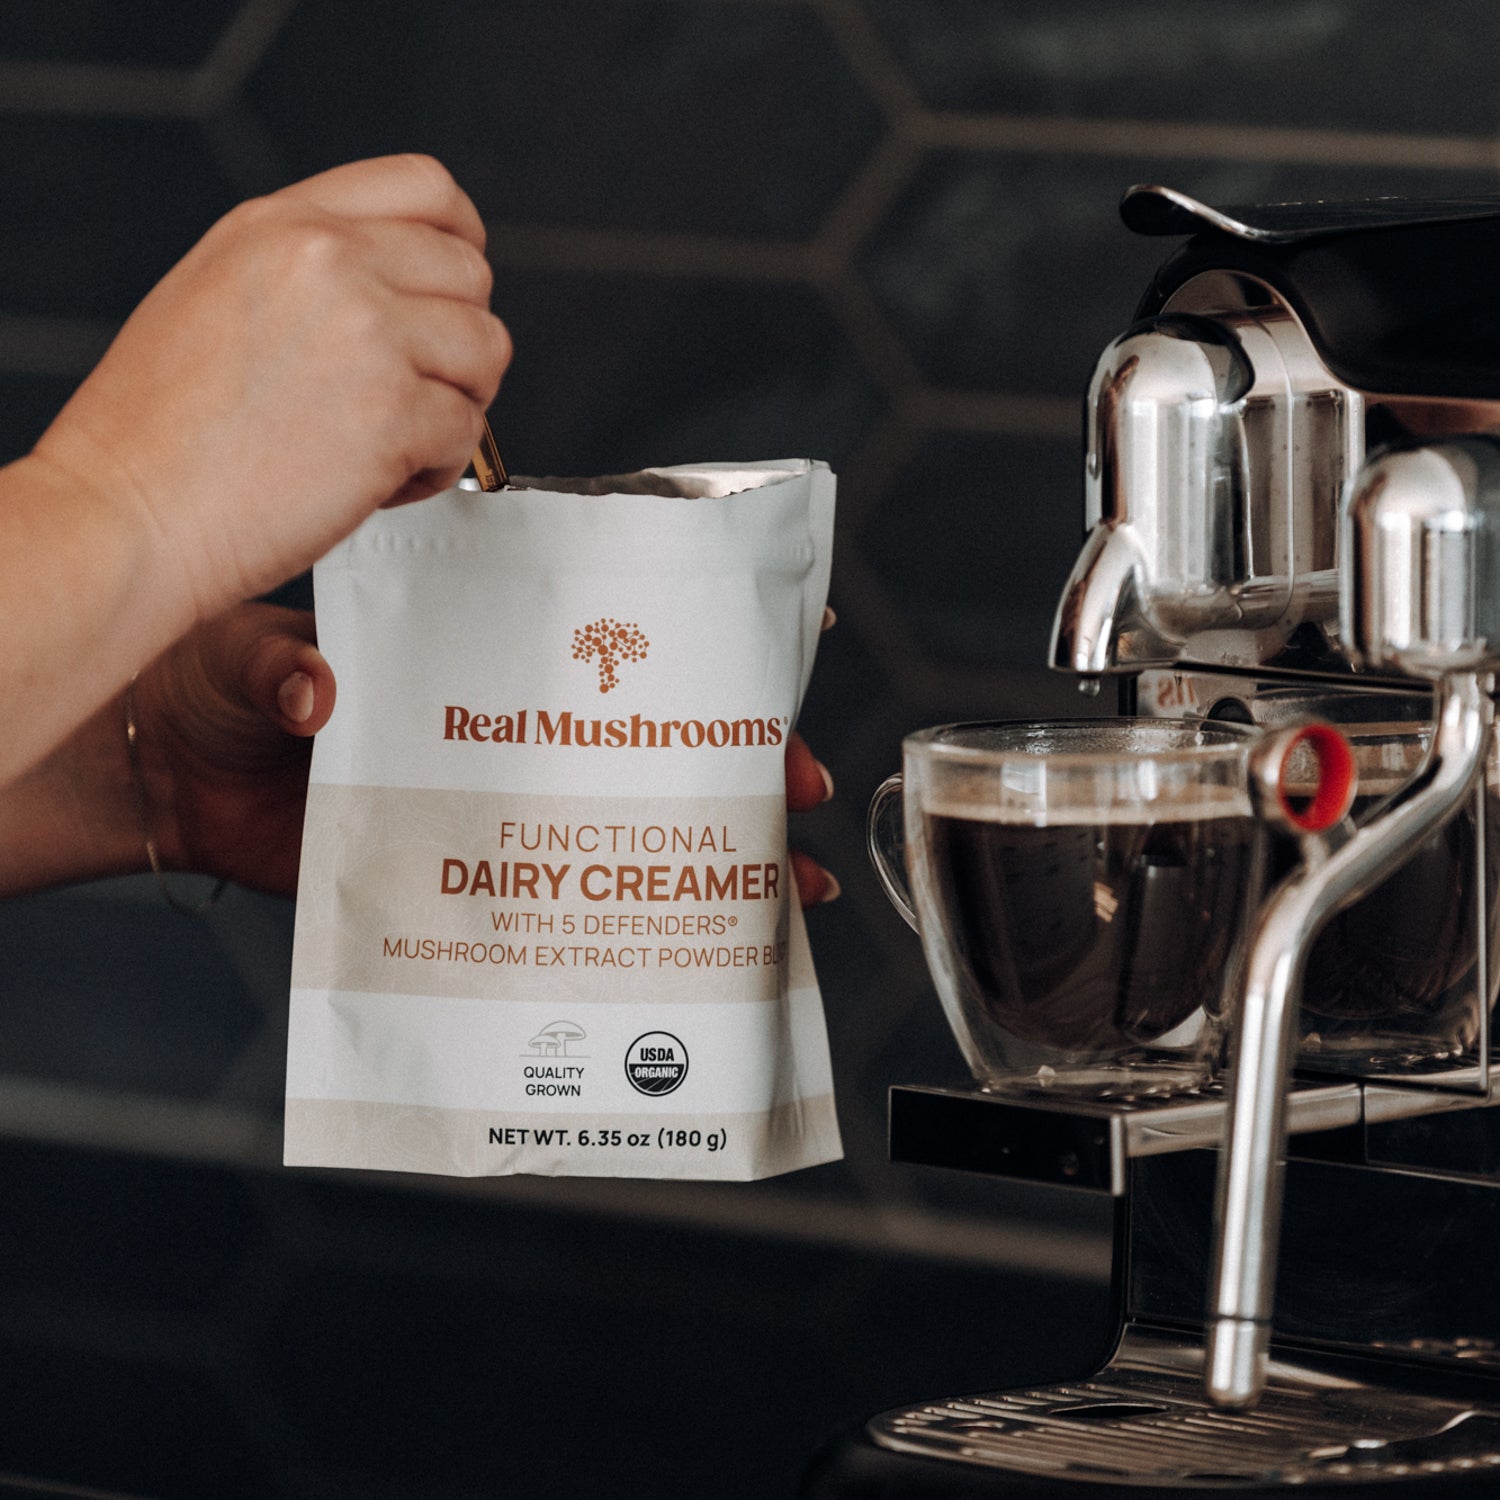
[[1096, 936]]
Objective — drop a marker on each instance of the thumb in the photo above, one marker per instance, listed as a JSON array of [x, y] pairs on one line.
[[241, 685], [283, 675]]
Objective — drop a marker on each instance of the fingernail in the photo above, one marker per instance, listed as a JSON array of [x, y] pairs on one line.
[[829, 618], [832, 891], [827, 776], [295, 697]]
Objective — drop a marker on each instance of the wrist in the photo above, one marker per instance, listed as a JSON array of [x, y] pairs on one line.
[[97, 500], [87, 604], [72, 816], [152, 793]]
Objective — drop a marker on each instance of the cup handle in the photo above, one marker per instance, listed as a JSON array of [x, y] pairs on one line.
[[885, 838]]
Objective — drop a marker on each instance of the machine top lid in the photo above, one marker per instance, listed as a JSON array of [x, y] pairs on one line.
[[1149, 208]]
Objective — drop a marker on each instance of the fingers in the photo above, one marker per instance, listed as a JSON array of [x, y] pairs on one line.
[[423, 260], [464, 346], [393, 187], [450, 421], [808, 782], [409, 226], [815, 885], [456, 338], [808, 785]]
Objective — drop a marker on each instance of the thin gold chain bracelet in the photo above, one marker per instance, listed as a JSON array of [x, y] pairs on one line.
[[143, 807]]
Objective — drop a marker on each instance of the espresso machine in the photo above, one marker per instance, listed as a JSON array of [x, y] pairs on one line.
[[1292, 513]]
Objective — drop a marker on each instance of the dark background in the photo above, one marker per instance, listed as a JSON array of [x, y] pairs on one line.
[[880, 232]]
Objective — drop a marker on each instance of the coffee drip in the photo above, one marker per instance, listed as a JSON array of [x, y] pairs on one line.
[[1292, 508]]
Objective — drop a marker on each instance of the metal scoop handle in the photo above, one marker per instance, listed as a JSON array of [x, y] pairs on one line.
[[488, 468]]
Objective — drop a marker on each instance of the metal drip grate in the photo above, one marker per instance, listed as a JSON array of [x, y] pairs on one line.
[[1153, 1426]]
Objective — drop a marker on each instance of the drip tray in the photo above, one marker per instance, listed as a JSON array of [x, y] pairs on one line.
[[1137, 1424]]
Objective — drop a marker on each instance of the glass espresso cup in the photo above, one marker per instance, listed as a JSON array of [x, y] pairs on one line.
[[1392, 983], [1082, 890]]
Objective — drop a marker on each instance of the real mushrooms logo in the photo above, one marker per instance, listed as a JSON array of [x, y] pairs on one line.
[[610, 642], [552, 1040]]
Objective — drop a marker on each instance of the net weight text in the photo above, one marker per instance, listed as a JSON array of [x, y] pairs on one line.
[[667, 1138]]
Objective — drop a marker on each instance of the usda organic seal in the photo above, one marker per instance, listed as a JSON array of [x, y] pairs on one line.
[[656, 1063]]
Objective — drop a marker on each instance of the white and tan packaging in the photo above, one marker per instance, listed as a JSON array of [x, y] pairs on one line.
[[546, 921]]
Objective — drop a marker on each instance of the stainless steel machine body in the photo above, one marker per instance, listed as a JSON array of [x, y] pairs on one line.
[[1293, 510]]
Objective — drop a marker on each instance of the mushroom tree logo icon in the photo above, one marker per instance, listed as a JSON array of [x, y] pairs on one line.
[[552, 1040], [610, 642]]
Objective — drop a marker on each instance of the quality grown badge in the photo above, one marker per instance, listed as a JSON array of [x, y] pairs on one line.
[[553, 1062], [656, 1063]]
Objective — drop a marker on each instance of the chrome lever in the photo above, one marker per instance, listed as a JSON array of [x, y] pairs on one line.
[[1248, 1218]]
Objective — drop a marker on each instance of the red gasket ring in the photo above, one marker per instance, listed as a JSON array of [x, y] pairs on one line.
[[1337, 779]]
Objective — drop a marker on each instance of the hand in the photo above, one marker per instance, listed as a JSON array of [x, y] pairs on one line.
[[226, 721], [320, 352], [808, 784]]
